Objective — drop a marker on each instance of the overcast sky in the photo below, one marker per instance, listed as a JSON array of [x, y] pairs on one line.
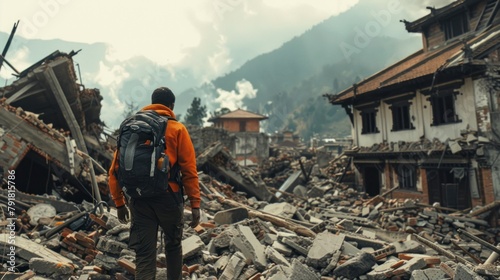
[[163, 30], [167, 31], [209, 37]]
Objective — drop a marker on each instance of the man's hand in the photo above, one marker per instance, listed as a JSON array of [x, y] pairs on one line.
[[123, 215], [196, 217]]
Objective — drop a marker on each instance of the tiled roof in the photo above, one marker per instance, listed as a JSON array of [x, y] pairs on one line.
[[428, 65], [239, 114], [420, 64]]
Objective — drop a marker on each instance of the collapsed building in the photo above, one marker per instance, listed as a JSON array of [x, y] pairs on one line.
[[319, 229], [312, 224], [51, 132], [429, 123]]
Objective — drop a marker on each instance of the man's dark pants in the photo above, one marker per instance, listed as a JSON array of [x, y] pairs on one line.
[[147, 215]]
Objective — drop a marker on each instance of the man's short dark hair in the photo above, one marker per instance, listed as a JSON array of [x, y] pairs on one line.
[[163, 95]]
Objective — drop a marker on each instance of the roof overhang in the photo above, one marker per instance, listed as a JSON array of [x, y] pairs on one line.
[[428, 82], [439, 14]]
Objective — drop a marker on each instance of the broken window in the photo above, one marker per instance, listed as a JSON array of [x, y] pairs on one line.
[[243, 126], [369, 121], [407, 176], [443, 108], [401, 116], [456, 26]]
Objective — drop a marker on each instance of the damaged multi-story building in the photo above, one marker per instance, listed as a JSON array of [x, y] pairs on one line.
[[429, 124], [251, 146], [51, 133]]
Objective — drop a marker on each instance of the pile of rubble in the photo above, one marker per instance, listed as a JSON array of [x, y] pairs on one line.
[[314, 227], [277, 169], [336, 233], [468, 141]]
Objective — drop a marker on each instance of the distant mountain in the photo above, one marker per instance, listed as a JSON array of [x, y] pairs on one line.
[[331, 56], [120, 82], [23, 53], [286, 84]]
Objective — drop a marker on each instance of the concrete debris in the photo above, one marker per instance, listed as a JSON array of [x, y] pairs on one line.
[[230, 216], [276, 257], [234, 267], [282, 209], [356, 266], [192, 246], [325, 236], [251, 247], [217, 161], [324, 246], [301, 271], [50, 268], [296, 216], [464, 272], [430, 273]]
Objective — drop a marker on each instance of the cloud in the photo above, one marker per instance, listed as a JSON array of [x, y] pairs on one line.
[[157, 29], [417, 9], [226, 32], [110, 75], [203, 39], [110, 78], [234, 99], [19, 59], [231, 32], [208, 38]]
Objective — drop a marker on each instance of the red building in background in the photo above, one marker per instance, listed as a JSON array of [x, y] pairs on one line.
[[251, 146]]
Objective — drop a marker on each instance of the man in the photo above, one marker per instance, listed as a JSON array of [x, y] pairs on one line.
[[165, 210]]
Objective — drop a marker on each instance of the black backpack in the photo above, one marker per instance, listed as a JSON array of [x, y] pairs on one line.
[[143, 165]]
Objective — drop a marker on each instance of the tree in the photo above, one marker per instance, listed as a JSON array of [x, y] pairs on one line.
[[220, 112], [196, 113], [132, 108]]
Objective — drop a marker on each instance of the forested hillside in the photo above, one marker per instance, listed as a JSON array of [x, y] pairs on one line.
[[328, 58]]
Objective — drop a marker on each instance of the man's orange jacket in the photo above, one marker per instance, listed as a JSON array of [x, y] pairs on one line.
[[179, 149]]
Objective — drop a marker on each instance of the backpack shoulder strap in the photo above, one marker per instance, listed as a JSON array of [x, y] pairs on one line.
[[168, 118], [120, 129], [130, 151]]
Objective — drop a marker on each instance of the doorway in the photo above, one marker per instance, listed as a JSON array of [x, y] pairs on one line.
[[371, 179], [449, 187]]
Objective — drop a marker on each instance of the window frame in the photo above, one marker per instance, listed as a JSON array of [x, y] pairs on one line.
[[443, 102], [401, 117], [407, 176], [369, 121], [456, 26]]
